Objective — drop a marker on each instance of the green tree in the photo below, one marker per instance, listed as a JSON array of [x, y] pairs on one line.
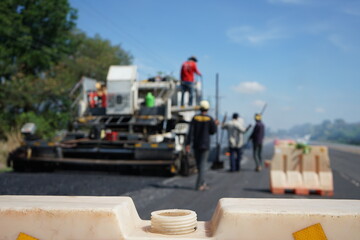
[[92, 58], [34, 35], [24, 93], [42, 56]]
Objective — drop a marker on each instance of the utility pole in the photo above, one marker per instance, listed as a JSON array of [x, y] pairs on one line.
[[217, 108], [217, 164]]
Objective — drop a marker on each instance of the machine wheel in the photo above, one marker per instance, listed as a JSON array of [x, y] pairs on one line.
[[18, 166], [185, 164]]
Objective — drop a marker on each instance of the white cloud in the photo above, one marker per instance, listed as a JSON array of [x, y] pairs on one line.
[[247, 34], [249, 87], [320, 110], [353, 9], [339, 42], [259, 103]]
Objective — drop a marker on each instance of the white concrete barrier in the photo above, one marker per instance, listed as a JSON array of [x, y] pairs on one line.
[[116, 218], [292, 169]]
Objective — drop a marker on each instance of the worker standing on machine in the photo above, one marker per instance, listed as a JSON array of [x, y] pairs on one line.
[[201, 127], [188, 69]]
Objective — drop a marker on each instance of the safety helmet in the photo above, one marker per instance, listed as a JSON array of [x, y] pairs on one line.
[[98, 85], [204, 105], [193, 58], [257, 116]]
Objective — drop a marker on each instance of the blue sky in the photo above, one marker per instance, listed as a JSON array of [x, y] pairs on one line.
[[301, 57]]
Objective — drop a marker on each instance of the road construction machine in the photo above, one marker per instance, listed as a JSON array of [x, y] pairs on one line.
[[121, 122]]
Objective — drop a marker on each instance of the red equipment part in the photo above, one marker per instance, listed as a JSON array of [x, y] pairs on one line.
[[92, 98], [111, 136]]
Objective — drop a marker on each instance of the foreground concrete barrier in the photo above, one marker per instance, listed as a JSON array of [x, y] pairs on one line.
[[292, 169], [62, 218]]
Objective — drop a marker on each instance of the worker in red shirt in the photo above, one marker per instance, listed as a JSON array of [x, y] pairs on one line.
[[188, 69]]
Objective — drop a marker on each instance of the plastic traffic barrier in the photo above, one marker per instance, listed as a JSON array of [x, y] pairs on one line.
[[110, 218], [301, 171], [284, 142]]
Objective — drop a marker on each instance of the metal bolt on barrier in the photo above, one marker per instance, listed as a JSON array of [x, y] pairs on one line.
[[173, 221]]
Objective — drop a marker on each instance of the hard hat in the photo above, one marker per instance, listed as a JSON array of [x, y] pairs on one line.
[[193, 58], [204, 105], [258, 117]]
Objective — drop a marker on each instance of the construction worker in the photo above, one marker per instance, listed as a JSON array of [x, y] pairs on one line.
[[188, 69], [236, 129], [101, 93], [201, 127], [257, 137]]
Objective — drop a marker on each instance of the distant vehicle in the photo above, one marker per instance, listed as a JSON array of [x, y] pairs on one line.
[[125, 122]]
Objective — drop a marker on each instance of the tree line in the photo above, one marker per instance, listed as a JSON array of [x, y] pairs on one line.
[[332, 131], [42, 56]]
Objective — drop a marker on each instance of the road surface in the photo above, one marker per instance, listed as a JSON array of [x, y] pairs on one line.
[[152, 192]]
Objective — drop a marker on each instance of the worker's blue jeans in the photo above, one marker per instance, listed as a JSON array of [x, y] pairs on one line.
[[257, 152], [201, 157], [187, 87], [235, 158]]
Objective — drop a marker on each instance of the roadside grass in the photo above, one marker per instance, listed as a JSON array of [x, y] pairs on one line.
[[13, 140]]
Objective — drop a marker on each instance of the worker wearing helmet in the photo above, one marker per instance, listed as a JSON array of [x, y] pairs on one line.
[[188, 69], [236, 129], [257, 137], [201, 127]]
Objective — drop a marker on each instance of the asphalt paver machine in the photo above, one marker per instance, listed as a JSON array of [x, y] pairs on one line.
[[122, 122]]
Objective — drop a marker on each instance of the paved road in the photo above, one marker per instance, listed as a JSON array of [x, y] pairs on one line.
[[153, 192], [177, 192]]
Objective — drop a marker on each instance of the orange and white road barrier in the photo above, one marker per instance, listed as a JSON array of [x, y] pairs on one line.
[[302, 172]]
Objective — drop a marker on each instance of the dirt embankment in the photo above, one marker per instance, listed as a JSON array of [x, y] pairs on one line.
[[12, 141]]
